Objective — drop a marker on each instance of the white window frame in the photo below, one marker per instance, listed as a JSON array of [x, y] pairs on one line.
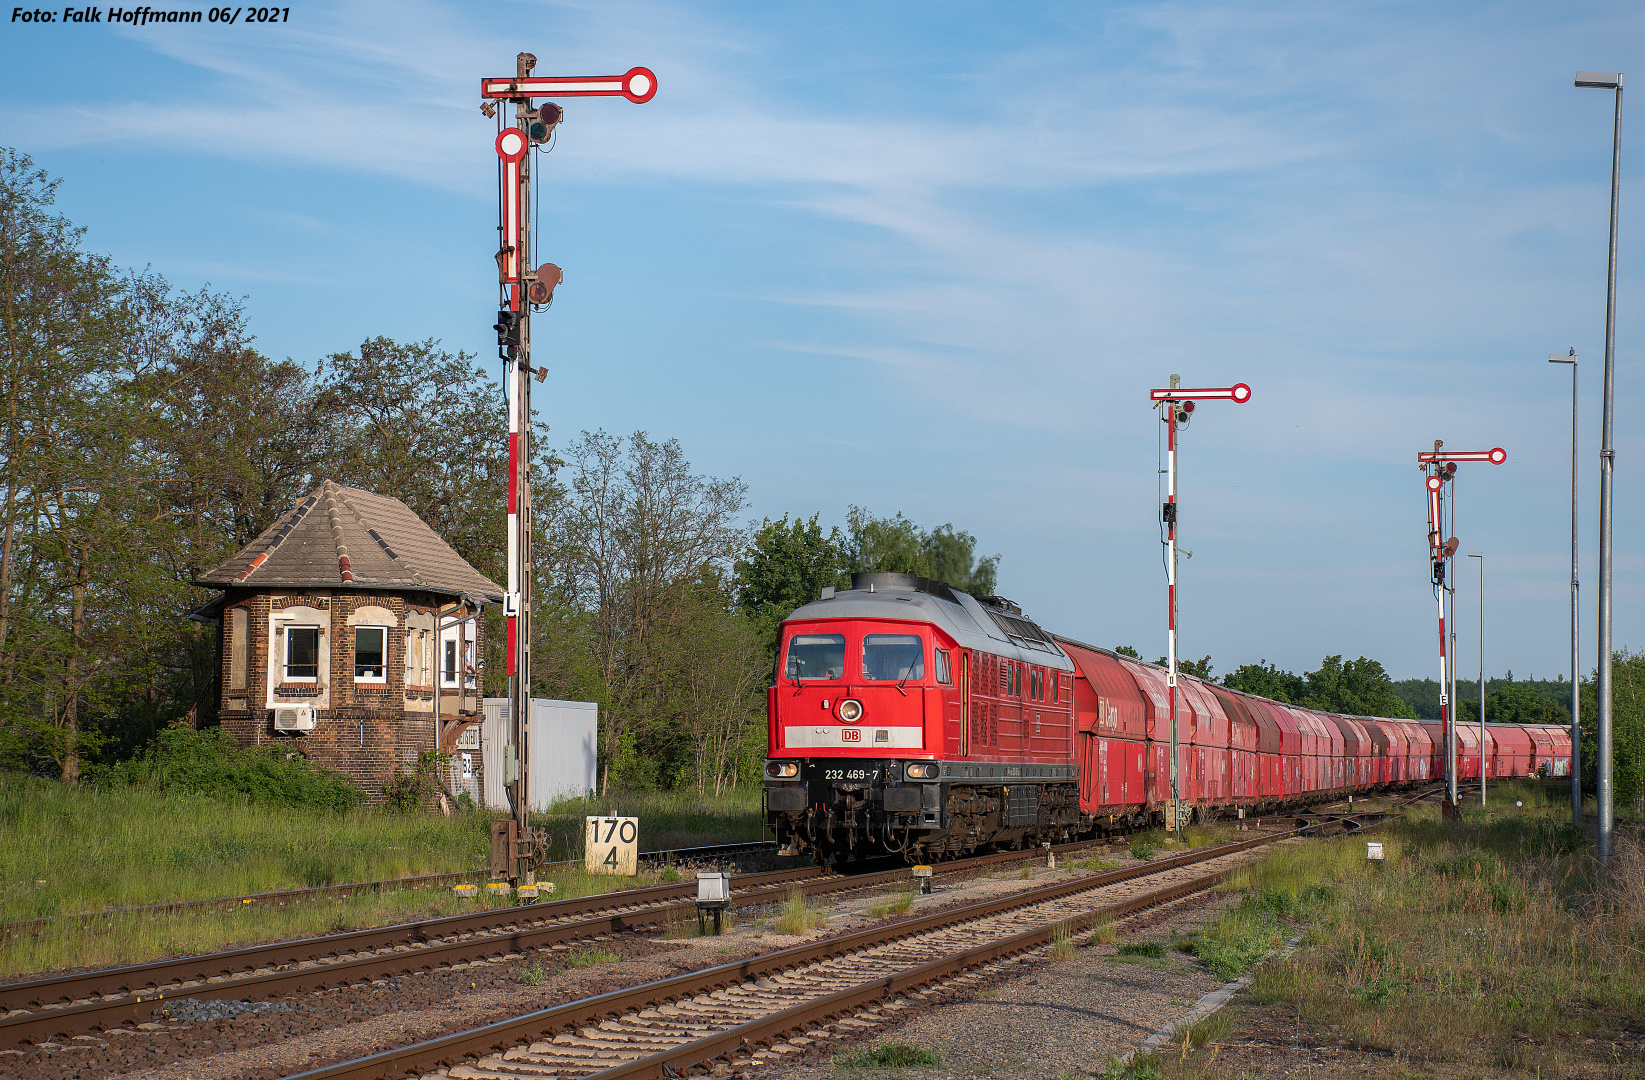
[[448, 675], [319, 645], [465, 653], [944, 668], [370, 680]]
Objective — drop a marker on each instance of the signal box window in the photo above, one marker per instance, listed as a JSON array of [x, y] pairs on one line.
[[815, 656], [370, 654], [302, 654], [893, 657], [940, 663]]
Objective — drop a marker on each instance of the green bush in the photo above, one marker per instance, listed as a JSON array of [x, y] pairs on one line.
[[409, 791], [183, 761]]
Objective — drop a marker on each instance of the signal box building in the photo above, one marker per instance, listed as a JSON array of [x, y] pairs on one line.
[[347, 631]]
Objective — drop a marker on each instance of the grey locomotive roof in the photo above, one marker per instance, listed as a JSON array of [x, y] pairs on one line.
[[962, 618], [343, 537]]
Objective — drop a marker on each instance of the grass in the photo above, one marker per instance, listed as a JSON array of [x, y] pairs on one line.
[[1104, 933], [86, 850], [899, 904], [1094, 864], [580, 958], [668, 819], [1148, 953], [1062, 942], [534, 975], [73, 850], [798, 916], [889, 1056], [1494, 946]]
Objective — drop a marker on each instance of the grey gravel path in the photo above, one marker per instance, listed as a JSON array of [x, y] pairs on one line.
[[1053, 1020]]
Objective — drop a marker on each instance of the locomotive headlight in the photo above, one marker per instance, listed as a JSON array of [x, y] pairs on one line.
[[782, 770], [921, 770], [850, 710]]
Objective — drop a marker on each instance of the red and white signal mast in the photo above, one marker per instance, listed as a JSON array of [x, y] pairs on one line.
[[1178, 403], [1439, 468], [521, 288]]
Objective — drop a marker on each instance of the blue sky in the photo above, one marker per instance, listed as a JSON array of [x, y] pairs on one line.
[[930, 258]]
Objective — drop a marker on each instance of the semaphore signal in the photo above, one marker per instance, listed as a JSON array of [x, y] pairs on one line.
[[1178, 402], [1439, 468], [519, 289]]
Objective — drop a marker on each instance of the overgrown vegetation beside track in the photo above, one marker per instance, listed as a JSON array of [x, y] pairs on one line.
[[680, 818], [85, 850], [1492, 947]]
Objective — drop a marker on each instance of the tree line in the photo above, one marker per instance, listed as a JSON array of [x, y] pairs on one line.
[[145, 440]]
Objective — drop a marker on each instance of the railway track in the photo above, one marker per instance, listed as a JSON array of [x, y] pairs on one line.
[[40, 1010], [92, 919], [787, 999]]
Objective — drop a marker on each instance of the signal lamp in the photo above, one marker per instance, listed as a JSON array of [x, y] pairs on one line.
[[549, 116], [1450, 547], [1184, 414], [1188, 406], [541, 291], [508, 329], [781, 770], [850, 710], [1451, 467]]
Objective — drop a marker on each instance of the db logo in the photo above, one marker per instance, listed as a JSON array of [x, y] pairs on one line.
[[850, 735]]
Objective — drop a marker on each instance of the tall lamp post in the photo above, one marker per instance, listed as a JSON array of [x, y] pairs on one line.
[[1606, 80], [1480, 555], [1178, 405], [1576, 694]]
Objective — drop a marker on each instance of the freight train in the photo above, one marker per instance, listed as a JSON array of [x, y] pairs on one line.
[[913, 719]]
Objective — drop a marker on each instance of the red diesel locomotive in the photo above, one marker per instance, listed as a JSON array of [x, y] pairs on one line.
[[914, 719]]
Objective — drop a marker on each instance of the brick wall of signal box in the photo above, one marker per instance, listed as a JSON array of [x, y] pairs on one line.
[[366, 733]]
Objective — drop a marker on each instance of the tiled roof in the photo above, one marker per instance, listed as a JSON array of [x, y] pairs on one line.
[[343, 537]]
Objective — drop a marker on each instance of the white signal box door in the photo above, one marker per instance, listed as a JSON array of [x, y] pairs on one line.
[[612, 846]]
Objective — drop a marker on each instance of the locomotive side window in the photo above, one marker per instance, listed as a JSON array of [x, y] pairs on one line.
[[893, 657], [939, 659], [815, 656]]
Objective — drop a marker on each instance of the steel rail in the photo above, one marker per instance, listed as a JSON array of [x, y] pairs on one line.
[[806, 1015], [447, 1051], [20, 928], [111, 997], [139, 978]]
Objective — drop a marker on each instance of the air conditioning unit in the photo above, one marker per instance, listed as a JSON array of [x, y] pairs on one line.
[[293, 718]]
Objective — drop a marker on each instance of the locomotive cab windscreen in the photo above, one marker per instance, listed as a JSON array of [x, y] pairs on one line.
[[815, 656]]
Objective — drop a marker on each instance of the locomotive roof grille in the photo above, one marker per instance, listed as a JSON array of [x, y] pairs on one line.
[[1022, 631]]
